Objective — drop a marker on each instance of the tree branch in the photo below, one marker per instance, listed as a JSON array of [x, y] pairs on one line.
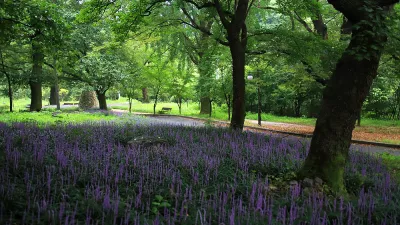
[[205, 5], [221, 14], [195, 25], [303, 22]]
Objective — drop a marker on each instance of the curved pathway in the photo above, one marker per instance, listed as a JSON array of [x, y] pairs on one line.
[[176, 120]]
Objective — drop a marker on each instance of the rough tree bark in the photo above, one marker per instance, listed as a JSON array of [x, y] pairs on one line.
[[179, 103], [210, 103], [346, 91], [259, 105], [8, 77], [130, 104], [56, 86], [205, 105], [238, 62], [10, 91], [145, 95], [237, 41], [228, 104], [53, 97], [101, 96], [35, 79], [319, 25]]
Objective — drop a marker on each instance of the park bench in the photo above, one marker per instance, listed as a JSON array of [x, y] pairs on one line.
[[166, 109]]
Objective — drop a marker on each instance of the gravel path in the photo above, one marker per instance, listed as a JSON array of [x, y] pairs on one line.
[[191, 122], [173, 120]]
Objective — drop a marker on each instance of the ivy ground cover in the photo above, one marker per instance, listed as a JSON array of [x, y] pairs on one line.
[[93, 174]]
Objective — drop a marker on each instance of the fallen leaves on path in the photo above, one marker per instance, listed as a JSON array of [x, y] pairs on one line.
[[377, 134]]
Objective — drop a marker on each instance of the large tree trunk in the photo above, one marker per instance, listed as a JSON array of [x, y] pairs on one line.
[[35, 79], [36, 96], [101, 96], [145, 95], [346, 28], [53, 95], [238, 63], [203, 88], [343, 97], [205, 105], [10, 92], [320, 27]]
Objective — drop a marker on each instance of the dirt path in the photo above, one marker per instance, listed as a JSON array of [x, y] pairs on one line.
[[376, 134]]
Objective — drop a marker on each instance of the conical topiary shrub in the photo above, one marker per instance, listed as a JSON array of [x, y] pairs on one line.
[[88, 100]]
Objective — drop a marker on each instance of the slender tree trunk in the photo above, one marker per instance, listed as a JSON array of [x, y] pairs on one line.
[[343, 97], [155, 102], [57, 87], [210, 103], [58, 95], [228, 104], [259, 105], [238, 63], [35, 80], [180, 105], [10, 92], [145, 95], [359, 119], [130, 104], [101, 96]]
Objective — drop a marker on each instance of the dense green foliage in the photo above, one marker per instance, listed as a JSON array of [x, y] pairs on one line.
[[92, 45]]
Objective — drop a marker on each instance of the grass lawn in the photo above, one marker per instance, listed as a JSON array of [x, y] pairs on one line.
[[393, 164], [220, 113], [48, 117]]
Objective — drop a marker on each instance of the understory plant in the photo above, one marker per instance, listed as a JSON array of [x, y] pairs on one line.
[[90, 174]]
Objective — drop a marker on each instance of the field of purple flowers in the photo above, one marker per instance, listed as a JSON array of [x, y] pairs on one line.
[[91, 174]]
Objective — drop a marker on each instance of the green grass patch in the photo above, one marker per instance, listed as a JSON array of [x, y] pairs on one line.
[[395, 142], [281, 119], [191, 109], [46, 117], [393, 164]]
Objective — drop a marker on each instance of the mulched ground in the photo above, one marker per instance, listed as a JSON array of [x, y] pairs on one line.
[[377, 134]]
